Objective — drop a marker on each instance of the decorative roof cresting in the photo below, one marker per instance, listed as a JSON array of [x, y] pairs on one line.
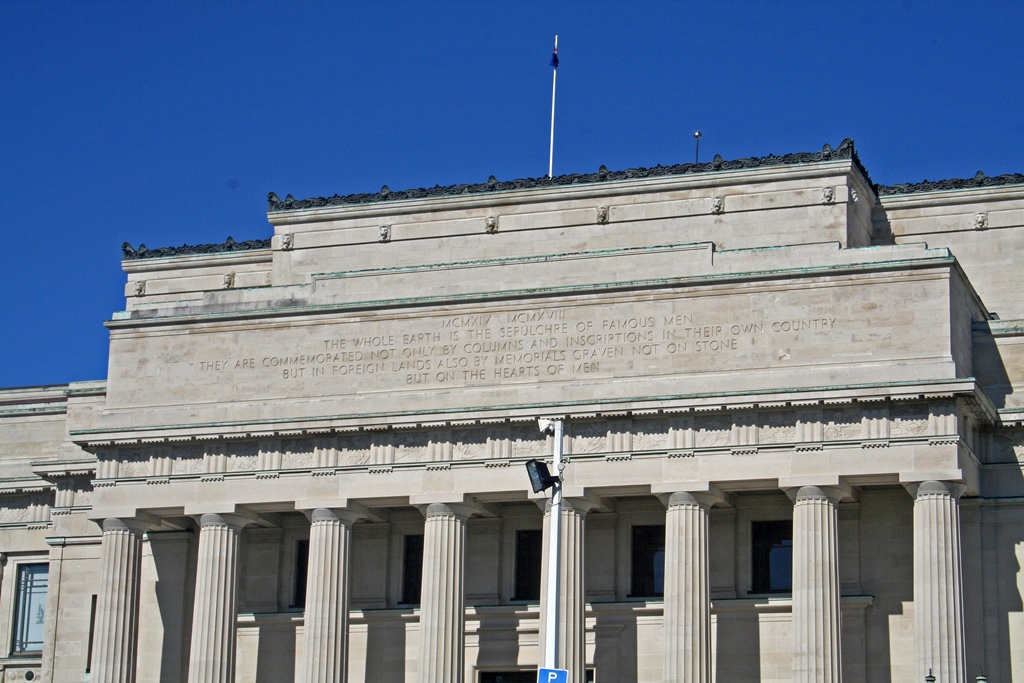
[[845, 150], [130, 254], [979, 180]]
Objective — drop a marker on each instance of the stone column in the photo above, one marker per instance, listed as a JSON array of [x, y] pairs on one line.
[[938, 583], [687, 591], [215, 615], [442, 604], [816, 617], [115, 646], [572, 605], [327, 595]]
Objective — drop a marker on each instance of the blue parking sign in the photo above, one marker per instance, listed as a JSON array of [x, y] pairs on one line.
[[552, 676]]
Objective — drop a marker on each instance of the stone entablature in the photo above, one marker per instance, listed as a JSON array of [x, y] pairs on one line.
[[783, 436], [807, 427], [843, 322]]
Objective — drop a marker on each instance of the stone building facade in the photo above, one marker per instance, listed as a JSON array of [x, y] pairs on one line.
[[792, 432]]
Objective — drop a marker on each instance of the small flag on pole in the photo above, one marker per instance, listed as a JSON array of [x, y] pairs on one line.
[[554, 55]]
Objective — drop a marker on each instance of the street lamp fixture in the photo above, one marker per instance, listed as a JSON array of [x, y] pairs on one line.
[[540, 476]]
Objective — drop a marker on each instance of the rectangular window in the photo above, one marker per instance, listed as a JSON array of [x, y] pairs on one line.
[[412, 569], [508, 676], [648, 562], [30, 609], [301, 573], [772, 556], [529, 543]]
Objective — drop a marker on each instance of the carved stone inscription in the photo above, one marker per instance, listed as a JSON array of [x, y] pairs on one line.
[[521, 346]]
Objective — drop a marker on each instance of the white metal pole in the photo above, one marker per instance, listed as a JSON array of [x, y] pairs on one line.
[[554, 556], [554, 80]]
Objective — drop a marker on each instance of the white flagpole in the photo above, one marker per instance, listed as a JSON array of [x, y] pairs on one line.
[[554, 80]]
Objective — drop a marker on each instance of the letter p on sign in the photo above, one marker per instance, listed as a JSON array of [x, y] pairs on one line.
[[552, 676]]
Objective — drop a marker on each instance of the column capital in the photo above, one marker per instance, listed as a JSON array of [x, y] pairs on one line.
[[953, 489], [580, 504], [462, 511], [307, 505], [344, 515], [704, 494], [833, 494], [211, 519], [132, 524]]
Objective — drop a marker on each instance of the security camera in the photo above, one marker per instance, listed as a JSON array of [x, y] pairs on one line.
[[546, 426]]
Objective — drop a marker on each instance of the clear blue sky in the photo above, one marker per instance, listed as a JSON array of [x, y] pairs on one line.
[[167, 123]]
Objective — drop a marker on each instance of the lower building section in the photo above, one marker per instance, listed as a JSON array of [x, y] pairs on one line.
[[805, 583]]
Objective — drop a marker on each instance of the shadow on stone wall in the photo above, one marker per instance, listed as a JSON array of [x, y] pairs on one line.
[[993, 562], [615, 647], [275, 656], [738, 647], [174, 558], [886, 537], [385, 648]]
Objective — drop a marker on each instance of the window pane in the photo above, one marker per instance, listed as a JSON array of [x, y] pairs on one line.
[[30, 608], [412, 569], [648, 561], [528, 564], [780, 562], [508, 676], [772, 556], [301, 573]]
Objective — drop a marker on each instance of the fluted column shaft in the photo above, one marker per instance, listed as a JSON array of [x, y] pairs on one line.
[[687, 592], [442, 604], [327, 595], [572, 605], [115, 646], [938, 583], [816, 616], [215, 616]]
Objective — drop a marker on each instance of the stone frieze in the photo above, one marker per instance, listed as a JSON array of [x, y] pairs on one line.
[[799, 428]]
